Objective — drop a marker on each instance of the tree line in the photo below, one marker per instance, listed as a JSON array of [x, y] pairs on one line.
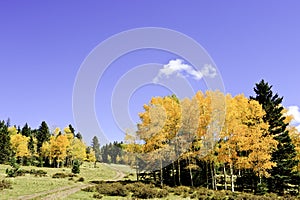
[[214, 140], [218, 141], [40, 147]]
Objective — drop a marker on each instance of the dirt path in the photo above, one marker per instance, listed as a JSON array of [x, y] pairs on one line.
[[119, 174], [63, 192], [36, 195]]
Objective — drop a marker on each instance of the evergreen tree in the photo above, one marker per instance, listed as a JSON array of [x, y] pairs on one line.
[[76, 167], [96, 148], [31, 145], [5, 147], [79, 136], [282, 174], [26, 130], [42, 135], [8, 122], [72, 129]]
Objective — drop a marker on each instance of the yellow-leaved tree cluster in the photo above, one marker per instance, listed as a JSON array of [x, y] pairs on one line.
[[62, 148], [212, 137]]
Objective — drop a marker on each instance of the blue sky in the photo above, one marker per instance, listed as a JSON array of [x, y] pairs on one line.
[[43, 44]]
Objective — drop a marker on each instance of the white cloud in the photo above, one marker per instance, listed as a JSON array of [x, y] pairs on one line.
[[179, 68], [295, 112]]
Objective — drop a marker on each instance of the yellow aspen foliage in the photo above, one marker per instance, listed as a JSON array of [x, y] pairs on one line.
[[56, 131], [58, 148], [245, 142], [46, 151], [77, 149], [256, 142], [19, 145], [160, 124], [68, 133], [12, 130]]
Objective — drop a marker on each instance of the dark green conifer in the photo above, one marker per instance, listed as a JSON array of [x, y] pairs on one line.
[[282, 174]]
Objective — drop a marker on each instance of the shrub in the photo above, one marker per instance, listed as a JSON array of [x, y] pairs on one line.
[[169, 189], [89, 189], [261, 189], [112, 189], [11, 172], [63, 175], [76, 167], [181, 190], [146, 191], [132, 187], [98, 196], [162, 193], [16, 171], [38, 172], [81, 179], [96, 182], [4, 184], [72, 175], [59, 175]]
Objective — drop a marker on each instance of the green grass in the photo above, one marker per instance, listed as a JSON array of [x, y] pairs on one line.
[[101, 172], [29, 184]]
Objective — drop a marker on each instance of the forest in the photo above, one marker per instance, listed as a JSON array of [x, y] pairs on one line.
[[213, 140]]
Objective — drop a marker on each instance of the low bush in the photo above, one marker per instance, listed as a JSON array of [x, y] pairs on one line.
[[132, 186], [81, 179], [181, 190], [261, 189], [90, 189], [4, 184], [14, 172], [162, 193], [146, 191], [112, 189], [98, 196], [59, 175], [63, 175], [38, 172], [139, 190]]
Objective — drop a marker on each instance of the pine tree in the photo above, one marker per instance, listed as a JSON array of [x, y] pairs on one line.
[[79, 136], [96, 148], [31, 146], [42, 135], [26, 130], [72, 130], [282, 174], [76, 167], [5, 147]]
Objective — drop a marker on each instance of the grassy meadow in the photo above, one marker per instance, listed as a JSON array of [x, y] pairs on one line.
[[30, 184]]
